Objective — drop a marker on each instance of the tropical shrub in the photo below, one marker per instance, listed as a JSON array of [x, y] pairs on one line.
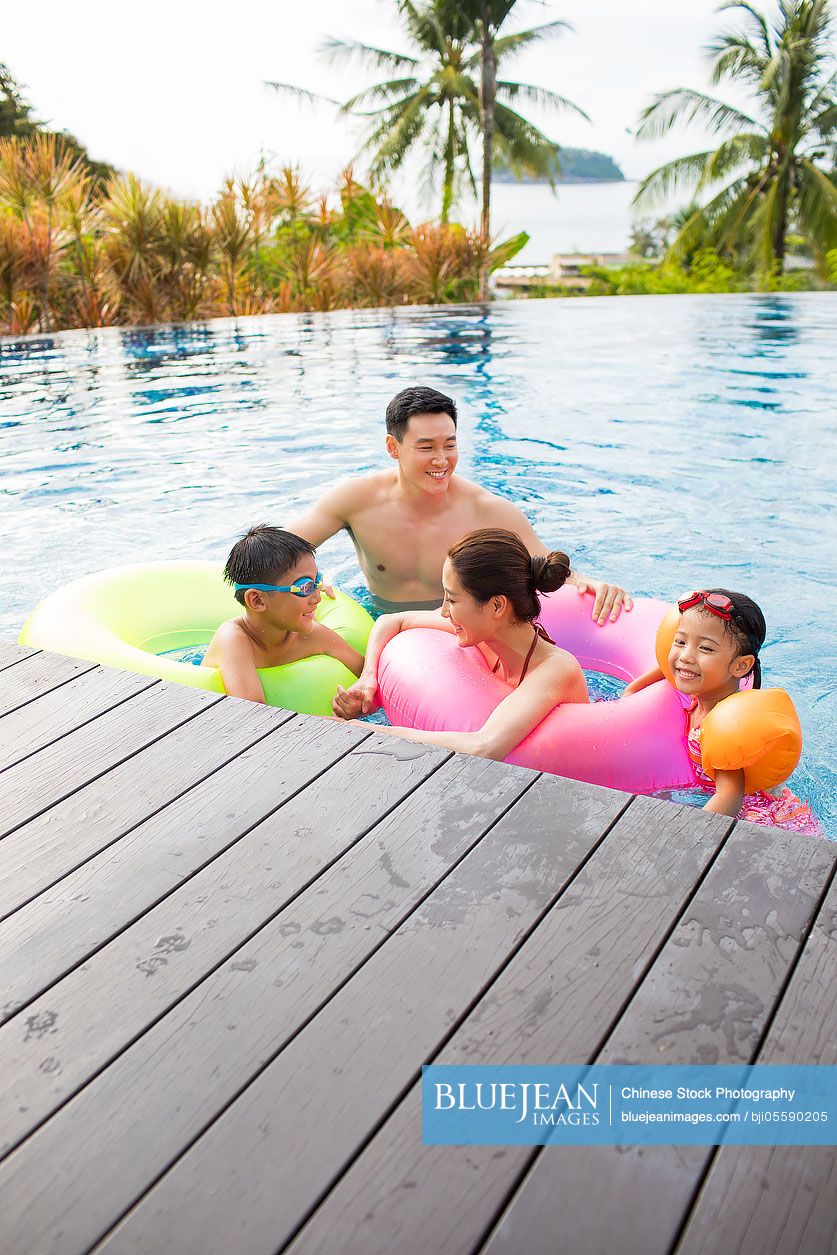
[[77, 253]]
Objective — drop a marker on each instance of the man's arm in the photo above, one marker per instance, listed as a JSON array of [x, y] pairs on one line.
[[326, 517], [610, 598]]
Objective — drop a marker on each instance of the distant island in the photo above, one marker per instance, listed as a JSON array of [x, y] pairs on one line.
[[573, 165]]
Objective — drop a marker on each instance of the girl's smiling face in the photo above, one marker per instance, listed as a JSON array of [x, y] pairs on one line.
[[704, 656]]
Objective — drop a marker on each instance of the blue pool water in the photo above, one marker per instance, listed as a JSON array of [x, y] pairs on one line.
[[666, 442]]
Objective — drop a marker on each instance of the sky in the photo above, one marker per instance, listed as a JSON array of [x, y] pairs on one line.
[[175, 90]]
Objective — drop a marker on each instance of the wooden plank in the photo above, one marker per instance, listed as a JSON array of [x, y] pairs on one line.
[[11, 654], [556, 1001], [780, 1200], [97, 1010], [35, 675], [37, 725], [185, 782], [39, 854], [55, 772], [707, 999], [264, 1162], [139, 1114]]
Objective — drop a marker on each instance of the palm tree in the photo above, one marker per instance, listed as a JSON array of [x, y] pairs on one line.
[[435, 99], [504, 131], [768, 162]]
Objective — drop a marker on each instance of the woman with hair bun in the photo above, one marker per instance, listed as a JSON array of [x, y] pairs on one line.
[[491, 586]]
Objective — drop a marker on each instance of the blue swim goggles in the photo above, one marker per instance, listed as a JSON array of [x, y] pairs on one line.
[[299, 588]]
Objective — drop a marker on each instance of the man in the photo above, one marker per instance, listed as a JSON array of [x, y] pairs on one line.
[[403, 521]]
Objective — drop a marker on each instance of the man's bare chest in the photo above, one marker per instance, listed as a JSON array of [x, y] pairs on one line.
[[405, 546]]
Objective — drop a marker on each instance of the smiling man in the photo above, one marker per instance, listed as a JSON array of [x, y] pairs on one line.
[[403, 521]]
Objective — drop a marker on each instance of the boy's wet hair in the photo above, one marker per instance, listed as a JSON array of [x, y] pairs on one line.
[[747, 627], [264, 555], [416, 401]]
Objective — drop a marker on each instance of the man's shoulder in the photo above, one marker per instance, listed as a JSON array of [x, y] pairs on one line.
[[488, 504], [357, 490]]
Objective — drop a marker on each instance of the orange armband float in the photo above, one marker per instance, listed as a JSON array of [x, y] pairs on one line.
[[758, 730]]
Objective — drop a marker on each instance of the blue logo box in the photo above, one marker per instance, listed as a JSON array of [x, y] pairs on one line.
[[637, 1105]]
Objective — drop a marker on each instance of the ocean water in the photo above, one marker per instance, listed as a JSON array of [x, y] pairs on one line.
[[576, 217], [668, 443]]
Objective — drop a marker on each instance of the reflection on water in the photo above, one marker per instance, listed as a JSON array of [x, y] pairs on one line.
[[669, 443]]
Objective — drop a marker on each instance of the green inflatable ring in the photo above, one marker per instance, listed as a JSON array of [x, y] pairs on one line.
[[129, 616]]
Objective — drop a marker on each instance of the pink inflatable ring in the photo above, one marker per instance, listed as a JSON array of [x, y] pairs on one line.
[[426, 681]]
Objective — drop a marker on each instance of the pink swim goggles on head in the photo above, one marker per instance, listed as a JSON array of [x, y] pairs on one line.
[[716, 603]]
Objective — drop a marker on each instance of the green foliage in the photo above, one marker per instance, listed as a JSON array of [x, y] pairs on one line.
[[15, 111], [76, 254], [16, 121], [773, 174], [707, 273]]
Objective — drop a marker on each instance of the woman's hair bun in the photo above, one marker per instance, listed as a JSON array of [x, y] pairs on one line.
[[550, 572]]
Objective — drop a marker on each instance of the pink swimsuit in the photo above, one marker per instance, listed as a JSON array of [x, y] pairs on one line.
[[783, 810]]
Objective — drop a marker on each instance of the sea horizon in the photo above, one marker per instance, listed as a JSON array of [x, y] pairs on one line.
[[576, 217]]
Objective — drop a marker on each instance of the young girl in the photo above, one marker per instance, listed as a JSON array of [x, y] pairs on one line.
[[716, 645], [490, 583]]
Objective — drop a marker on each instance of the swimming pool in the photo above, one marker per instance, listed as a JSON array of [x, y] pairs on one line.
[[666, 442]]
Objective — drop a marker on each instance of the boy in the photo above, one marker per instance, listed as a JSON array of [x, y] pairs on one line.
[[275, 577]]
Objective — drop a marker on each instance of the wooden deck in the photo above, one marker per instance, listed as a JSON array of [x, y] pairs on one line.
[[230, 937]]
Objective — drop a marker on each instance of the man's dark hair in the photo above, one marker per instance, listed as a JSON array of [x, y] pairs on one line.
[[416, 401], [264, 555]]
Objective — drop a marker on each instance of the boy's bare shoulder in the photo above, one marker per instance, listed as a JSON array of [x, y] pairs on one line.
[[229, 636]]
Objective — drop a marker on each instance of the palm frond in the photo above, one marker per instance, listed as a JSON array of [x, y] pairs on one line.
[[708, 224], [757, 20], [683, 105], [681, 174], [541, 96], [818, 204], [736, 58], [380, 91], [375, 58], [509, 45], [300, 93], [748, 148], [523, 147]]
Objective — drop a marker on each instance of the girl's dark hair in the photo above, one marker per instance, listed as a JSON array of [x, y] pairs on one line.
[[747, 626], [263, 556], [492, 562]]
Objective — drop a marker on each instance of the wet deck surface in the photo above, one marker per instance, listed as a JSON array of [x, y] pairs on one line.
[[230, 937]]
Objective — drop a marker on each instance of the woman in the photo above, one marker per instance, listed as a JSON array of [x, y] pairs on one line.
[[490, 584]]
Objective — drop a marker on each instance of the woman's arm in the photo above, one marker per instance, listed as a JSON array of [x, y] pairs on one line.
[[642, 682], [728, 795], [360, 697], [515, 717]]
